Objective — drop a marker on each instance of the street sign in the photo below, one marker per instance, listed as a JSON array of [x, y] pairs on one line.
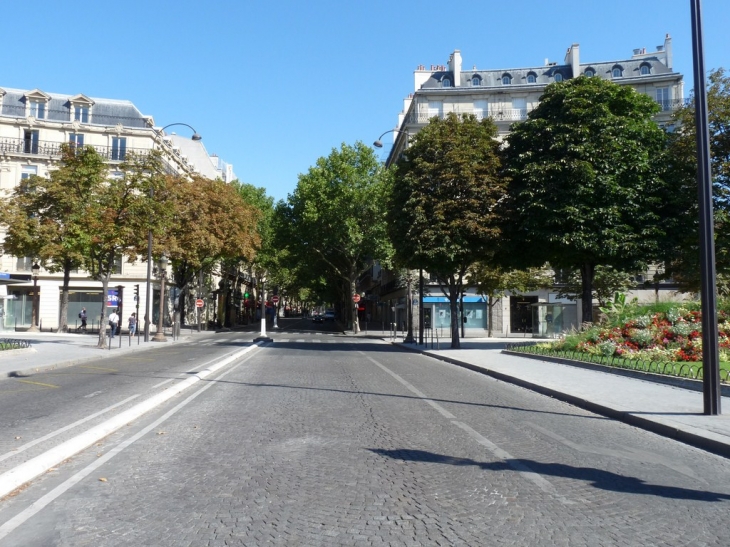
[[356, 298], [199, 303], [275, 299]]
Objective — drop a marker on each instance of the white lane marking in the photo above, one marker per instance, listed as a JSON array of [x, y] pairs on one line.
[[18, 476], [41, 503], [90, 395], [163, 383], [498, 452], [300, 341], [52, 434]]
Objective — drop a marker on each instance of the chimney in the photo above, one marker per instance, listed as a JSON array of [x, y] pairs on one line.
[[572, 58], [455, 67], [668, 50]]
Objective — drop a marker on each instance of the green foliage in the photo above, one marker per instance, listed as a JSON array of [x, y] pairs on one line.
[[682, 208], [334, 224], [441, 210], [585, 187]]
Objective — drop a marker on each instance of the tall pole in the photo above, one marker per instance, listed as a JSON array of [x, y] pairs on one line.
[[710, 349], [409, 312], [147, 295], [420, 307], [263, 309]]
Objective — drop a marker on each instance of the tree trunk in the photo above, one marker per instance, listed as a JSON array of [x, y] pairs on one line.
[[353, 304], [490, 315], [454, 306], [63, 312], [587, 272], [102, 316]]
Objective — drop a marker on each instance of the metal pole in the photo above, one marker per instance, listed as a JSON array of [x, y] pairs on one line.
[[147, 295], [200, 295], [409, 312], [160, 335], [420, 307], [263, 309], [710, 348]]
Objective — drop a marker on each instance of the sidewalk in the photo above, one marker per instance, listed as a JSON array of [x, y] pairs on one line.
[[49, 351], [667, 410]]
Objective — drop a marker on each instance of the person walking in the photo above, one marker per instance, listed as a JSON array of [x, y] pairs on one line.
[[113, 322], [132, 322], [83, 317]]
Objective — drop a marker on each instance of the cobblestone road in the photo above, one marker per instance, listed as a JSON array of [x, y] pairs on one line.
[[352, 442]]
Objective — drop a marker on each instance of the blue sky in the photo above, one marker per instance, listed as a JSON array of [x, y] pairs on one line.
[[272, 86]]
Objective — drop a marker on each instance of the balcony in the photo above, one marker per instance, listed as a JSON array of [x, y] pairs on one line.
[[669, 105], [32, 147], [497, 114]]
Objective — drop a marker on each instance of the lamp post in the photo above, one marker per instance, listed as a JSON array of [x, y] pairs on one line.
[[195, 136], [263, 337], [379, 144], [409, 312], [34, 313], [159, 335], [710, 339]]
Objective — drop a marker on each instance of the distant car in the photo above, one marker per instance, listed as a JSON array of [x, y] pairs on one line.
[[329, 315], [317, 318]]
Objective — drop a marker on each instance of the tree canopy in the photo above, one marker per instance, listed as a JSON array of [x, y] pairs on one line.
[[441, 210], [682, 257], [334, 221], [585, 186]]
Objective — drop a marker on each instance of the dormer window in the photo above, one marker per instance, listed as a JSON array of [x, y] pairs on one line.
[[589, 72], [531, 78], [476, 81], [506, 79], [80, 108], [617, 71], [445, 82], [645, 70], [558, 77], [37, 104], [38, 109]]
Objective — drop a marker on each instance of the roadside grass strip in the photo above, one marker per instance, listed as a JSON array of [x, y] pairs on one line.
[[17, 477]]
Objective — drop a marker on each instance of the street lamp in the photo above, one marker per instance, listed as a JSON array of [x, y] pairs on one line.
[[378, 144], [34, 316], [195, 137], [159, 335]]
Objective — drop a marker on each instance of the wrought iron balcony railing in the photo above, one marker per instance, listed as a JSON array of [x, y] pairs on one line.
[[46, 148]]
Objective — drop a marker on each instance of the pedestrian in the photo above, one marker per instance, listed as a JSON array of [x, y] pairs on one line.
[[83, 316], [132, 324], [113, 322]]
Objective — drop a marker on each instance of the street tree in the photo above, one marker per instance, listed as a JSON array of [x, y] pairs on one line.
[[682, 260], [336, 217], [43, 215], [208, 222], [115, 219], [441, 211], [607, 281], [585, 186]]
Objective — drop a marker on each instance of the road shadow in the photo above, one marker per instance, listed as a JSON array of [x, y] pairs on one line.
[[598, 478]]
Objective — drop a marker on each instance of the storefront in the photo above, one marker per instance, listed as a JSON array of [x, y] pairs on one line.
[[438, 310]]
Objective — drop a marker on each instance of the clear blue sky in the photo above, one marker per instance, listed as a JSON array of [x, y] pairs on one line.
[[272, 86]]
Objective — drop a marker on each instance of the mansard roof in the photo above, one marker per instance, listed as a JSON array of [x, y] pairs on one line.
[[108, 112]]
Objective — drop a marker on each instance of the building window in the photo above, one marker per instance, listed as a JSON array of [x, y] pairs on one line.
[[119, 148], [662, 97], [435, 108], [38, 110], [531, 78], [645, 70], [481, 108], [589, 72], [76, 139], [506, 79], [446, 82], [24, 264], [30, 141], [117, 266], [558, 77], [476, 81], [81, 113], [617, 72], [28, 171]]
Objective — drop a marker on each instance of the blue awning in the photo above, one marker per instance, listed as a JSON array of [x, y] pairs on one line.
[[444, 300]]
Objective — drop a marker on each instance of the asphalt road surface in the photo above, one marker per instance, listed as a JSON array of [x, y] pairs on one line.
[[324, 439]]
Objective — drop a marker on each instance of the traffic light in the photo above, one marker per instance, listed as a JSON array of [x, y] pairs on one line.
[[136, 292]]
